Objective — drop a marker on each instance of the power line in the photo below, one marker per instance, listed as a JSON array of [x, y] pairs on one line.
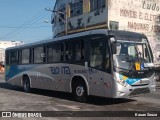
[[23, 27], [28, 23], [17, 32]]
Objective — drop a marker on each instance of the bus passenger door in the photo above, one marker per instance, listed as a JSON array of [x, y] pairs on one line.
[[95, 70]]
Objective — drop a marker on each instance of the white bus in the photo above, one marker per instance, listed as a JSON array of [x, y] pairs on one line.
[[106, 63]]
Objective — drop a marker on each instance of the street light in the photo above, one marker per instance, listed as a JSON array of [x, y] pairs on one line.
[[65, 21], [46, 21]]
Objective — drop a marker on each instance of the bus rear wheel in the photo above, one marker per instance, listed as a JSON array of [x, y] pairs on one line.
[[80, 91], [26, 84]]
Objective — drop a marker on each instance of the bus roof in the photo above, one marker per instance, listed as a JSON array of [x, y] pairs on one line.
[[120, 32], [91, 32]]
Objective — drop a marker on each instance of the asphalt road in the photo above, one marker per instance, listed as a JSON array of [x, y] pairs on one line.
[[13, 98]]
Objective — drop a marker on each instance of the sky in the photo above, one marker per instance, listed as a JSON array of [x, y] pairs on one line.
[[24, 20]]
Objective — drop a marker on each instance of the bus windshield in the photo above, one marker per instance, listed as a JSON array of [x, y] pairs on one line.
[[130, 52]]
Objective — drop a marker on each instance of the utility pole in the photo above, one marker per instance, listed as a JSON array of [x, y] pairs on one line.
[[66, 18]]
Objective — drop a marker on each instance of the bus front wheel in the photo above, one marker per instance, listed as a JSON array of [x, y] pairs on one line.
[[26, 84], [79, 91]]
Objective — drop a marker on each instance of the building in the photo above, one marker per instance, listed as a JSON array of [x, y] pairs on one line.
[[4, 45], [141, 16]]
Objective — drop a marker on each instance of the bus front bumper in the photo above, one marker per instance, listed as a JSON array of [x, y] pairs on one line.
[[126, 92]]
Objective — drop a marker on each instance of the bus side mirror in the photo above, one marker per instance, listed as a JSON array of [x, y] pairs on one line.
[[113, 44], [114, 48]]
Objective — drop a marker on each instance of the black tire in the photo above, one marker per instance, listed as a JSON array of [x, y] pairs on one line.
[[79, 91], [26, 84]]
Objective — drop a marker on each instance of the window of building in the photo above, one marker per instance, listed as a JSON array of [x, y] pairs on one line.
[[54, 53], [114, 25], [76, 8], [97, 4], [61, 16], [39, 55], [25, 56]]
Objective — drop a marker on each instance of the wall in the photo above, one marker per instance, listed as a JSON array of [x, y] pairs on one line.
[[141, 16], [88, 20]]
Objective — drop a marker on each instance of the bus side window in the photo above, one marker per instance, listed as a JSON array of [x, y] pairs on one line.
[[31, 57], [25, 56], [49, 54], [68, 51], [14, 57], [20, 56], [82, 50], [79, 49], [39, 55], [107, 61], [54, 53], [57, 53], [7, 58], [62, 52]]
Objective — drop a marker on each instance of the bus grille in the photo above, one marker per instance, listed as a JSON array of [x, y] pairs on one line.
[[139, 91]]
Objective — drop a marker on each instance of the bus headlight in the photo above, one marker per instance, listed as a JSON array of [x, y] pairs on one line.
[[119, 93], [122, 82]]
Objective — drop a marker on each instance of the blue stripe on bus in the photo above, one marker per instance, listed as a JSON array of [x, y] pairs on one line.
[[13, 70], [130, 81]]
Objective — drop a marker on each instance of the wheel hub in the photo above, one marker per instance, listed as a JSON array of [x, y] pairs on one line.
[[26, 86], [79, 91]]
